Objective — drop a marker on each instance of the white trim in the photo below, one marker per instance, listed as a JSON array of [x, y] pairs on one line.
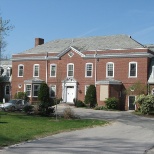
[[128, 101], [68, 69], [86, 87], [22, 70], [28, 90], [33, 89], [91, 70], [135, 70], [55, 69], [53, 90], [35, 70], [108, 63]]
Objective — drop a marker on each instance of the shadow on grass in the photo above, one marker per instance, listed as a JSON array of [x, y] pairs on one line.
[[3, 122]]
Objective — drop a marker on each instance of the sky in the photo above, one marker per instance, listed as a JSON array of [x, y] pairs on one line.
[[59, 19]]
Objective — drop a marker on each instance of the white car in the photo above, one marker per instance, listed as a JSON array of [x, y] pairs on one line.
[[14, 104]]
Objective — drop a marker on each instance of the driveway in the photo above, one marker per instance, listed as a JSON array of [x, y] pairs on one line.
[[127, 134]]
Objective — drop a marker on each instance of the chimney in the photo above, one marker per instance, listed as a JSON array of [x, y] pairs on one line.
[[39, 41]]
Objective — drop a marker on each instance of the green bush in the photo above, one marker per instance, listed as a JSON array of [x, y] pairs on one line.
[[90, 97], [100, 108], [43, 97], [111, 103], [28, 108], [79, 103], [145, 103], [22, 95]]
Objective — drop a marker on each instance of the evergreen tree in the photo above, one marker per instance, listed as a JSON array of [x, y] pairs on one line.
[[90, 97]]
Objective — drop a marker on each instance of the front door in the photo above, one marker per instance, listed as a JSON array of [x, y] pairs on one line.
[[131, 102], [70, 94]]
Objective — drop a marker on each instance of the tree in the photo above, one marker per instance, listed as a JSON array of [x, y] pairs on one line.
[[43, 97], [90, 97], [5, 28]]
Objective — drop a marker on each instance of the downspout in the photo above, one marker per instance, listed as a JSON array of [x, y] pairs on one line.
[[95, 67], [46, 67]]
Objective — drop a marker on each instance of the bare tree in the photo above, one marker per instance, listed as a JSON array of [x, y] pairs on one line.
[[5, 27]]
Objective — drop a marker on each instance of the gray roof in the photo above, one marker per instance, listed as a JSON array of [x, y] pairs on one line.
[[150, 46], [87, 44]]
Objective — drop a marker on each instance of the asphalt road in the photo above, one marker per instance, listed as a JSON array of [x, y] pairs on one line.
[[126, 134]]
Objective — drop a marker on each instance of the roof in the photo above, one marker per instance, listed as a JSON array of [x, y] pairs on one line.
[[87, 44], [150, 47]]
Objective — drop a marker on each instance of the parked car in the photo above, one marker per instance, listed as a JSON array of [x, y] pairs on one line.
[[14, 104]]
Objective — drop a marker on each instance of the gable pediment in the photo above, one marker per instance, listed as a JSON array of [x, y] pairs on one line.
[[67, 50]]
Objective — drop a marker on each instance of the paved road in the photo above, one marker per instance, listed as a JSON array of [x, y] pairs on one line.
[[127, 134]]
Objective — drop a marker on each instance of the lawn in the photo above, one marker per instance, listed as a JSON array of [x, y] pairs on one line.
[[18, 127]]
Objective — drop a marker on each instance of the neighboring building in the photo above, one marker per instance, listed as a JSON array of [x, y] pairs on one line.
[[69, 66], [5, 79]]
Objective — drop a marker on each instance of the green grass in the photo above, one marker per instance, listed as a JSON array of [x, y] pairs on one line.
[[18, 127]]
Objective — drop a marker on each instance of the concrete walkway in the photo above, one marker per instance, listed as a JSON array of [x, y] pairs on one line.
[[127, 134]]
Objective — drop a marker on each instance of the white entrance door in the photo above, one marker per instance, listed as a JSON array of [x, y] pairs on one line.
[[70, 94]]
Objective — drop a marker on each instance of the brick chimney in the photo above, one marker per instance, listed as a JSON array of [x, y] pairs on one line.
[[39, 41]]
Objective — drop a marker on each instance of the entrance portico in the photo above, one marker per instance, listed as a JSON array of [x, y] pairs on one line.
[[69, 90]]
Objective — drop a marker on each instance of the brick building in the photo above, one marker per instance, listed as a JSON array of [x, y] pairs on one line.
[[5, 79], [69, 66]]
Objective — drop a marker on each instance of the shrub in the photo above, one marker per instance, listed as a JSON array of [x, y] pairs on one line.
[[78, 103], [28, 108], [145, 103], [90, 97], [22, 95], [111, 103], [68, 113], [43, 96], [100, 108]]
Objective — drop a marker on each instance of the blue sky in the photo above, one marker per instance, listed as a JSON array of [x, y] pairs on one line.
[[58, 19]]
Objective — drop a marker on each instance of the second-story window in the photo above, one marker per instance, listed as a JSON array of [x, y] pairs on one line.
[[110, 69], [8, 72], [132, 69], [70, 70], [89, 69], [20, 70], [36, 70], [53, 70]]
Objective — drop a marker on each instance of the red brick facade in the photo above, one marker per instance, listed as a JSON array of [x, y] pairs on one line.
[[117, 84]]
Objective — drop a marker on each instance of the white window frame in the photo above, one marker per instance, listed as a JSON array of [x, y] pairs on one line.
[[152, 71], [70, 70], [20, 70], [86, 70], [107, 69], [130, 70], [53, 90], [86, 87], [34, 70], [51, 65], [28, 89], [152, 91], [33, 89]]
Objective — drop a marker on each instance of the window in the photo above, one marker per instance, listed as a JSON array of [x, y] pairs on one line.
[[36, 88], [53, 91], [70, 70], [86, 87], [152, 71], [20, 70], [8, 72], [36, 70], [28, 90], [7, 90], [110, 69], [132, 69], [89, 69], [152, 91], [53, 70]]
